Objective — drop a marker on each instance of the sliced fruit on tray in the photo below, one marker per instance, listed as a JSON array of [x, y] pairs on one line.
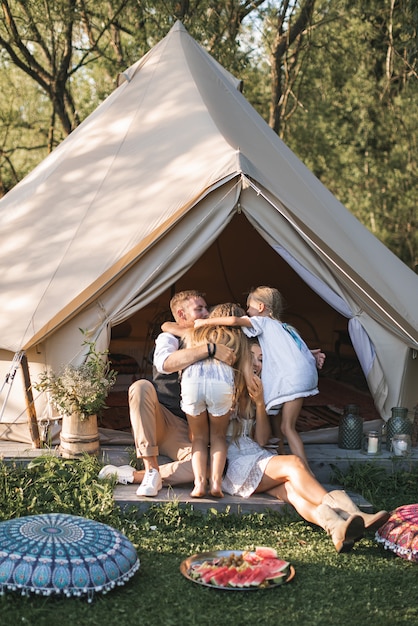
[[242, 569]]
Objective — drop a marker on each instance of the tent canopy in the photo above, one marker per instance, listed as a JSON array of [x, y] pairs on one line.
[[130, 201]]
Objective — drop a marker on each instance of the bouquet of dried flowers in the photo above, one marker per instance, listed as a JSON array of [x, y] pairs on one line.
[[80, 389]]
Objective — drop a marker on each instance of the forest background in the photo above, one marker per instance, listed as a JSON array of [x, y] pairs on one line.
[[335, 79]]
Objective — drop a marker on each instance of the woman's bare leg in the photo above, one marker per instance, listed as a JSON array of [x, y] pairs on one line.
[[306, 509], [290, 469], [199, 434], [218, 426]]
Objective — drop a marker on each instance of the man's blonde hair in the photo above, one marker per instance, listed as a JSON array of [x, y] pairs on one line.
[[181, 297]]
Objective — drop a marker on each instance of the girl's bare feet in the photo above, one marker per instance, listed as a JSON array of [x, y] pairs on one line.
[[199, 490], [215, 490]]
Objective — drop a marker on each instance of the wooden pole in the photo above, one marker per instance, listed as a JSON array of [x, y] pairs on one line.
[[30, 405]]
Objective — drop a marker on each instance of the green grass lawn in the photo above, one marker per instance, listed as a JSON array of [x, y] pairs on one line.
[[369, 585]]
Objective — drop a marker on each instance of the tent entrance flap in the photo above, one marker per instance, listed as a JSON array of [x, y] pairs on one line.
[[336, 270]]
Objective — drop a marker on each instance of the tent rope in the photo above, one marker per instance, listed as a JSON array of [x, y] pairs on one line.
[[9, 378]]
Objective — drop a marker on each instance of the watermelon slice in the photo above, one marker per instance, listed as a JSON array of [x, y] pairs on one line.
[[216, 571], [206, 576], [265, 552], [241, 578], [222, 578], [251, 557], [278, 578], [276, 565], [257, 577]]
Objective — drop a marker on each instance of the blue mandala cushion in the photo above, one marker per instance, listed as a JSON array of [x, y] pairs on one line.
[[400, 532], [56, 553]]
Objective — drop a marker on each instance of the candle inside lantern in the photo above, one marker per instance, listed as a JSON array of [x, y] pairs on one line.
[[372, 445], [400, 445]]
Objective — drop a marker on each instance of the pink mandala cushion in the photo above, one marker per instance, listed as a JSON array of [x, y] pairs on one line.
[[400, 533]]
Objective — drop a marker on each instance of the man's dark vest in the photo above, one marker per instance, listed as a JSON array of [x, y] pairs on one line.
[[168, 389]]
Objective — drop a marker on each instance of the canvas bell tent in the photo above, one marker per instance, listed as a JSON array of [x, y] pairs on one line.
[[174, 182]]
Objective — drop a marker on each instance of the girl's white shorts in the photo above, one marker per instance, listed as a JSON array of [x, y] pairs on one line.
[[215, 396]]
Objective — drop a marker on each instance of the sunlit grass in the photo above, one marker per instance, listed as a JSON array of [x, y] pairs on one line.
[[368, 585]]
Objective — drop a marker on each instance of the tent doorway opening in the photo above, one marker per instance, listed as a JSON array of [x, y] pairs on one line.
[[239, 260]]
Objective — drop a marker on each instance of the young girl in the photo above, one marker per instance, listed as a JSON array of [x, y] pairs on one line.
[[208, 392], [289, 371]]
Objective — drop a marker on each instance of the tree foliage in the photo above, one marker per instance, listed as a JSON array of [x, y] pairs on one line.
[[356, 123], [336, 79]]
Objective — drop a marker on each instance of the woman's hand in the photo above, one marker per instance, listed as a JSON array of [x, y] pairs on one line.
[[262, 431], [255, 390]]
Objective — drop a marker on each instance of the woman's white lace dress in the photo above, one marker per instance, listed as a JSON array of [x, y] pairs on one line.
[[246, 463]]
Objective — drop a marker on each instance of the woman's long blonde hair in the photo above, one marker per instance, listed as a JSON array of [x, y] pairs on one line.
[[231, 336], [245, 409]]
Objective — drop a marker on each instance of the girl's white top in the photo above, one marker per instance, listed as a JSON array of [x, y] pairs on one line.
[[289, 367]]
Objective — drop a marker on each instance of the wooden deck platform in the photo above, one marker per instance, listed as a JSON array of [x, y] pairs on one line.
[[322, 459]]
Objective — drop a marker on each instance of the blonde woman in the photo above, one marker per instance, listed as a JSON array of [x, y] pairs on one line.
[[209, 389], [290, 368], [254, 469]]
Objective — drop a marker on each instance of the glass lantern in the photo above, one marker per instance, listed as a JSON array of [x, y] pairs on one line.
[[372, 443], [401, 445]]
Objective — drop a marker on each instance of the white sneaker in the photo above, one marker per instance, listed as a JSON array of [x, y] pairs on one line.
[[151, 484], [124, 473]]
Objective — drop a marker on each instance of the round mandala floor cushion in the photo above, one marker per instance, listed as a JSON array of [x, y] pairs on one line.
[[64, 554], [400, 533]]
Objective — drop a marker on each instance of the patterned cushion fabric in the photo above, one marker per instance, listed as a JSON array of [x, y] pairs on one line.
[[63, 554], [400, 533]]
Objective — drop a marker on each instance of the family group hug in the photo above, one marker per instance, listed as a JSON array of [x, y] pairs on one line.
[[227, 385]]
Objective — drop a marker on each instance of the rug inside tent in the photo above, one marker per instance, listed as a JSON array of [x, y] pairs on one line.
[[326, 408]]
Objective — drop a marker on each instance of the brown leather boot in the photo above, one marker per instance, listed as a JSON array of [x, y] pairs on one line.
[[343, 532], [343, 504]]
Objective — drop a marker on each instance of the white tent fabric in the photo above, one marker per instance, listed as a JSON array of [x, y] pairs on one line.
[[136, 194]]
